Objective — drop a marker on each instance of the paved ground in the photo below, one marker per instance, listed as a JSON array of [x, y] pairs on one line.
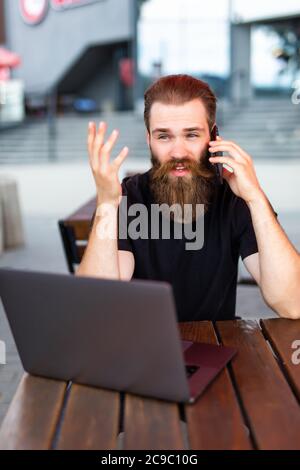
[[49, 191]]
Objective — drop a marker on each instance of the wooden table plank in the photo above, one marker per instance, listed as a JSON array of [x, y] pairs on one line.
[[271, 407], [282, 334], [151, 424], [91, 419], [32, 417], [215, 421]]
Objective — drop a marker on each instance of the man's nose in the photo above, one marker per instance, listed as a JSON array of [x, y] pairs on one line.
[[179, 149]]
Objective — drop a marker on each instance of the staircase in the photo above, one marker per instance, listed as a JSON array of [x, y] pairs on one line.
[[267, 129], [32, 142]]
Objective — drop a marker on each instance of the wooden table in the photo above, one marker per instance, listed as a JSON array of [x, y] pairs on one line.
[[80, 220], [252, 404]]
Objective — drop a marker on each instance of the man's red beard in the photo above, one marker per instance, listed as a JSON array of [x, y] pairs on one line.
[[195, 188]]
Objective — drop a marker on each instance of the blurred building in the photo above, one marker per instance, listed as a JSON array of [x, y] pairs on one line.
[[244, 17], [80, 50], [2, 30]]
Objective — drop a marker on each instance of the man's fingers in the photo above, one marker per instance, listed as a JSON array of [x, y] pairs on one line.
[[100, 152], [228, 160], [227, 174], [99, 139], [226, 147], [107, 147], [218, 144], [91, 137], [121, 157]]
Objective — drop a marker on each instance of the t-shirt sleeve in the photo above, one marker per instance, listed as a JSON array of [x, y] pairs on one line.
[[124, 244], [244, 230], [248, 243], [124, 241]]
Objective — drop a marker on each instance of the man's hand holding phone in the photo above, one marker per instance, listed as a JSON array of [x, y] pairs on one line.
[[241, 177]]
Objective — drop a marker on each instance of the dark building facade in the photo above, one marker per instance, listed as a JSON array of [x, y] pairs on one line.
[[77, 47]]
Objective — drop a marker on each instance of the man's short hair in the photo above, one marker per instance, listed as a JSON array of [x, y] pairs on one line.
[[179, 89]]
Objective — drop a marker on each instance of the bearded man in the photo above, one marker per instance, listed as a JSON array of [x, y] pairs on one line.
[[237, 218]]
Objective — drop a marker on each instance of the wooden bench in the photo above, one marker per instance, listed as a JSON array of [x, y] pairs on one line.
[[252, 404], [74, 231]]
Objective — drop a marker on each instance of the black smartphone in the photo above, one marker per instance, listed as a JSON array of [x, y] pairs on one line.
[[217, 166]]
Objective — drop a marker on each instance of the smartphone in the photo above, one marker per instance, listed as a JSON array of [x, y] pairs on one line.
[[217, 166]]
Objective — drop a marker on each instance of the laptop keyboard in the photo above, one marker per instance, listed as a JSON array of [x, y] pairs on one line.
[[190, 370]]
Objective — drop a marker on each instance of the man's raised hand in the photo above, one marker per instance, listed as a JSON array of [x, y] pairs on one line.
[[104, 170]]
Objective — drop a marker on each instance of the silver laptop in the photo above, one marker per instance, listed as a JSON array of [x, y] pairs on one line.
[[112, 334]]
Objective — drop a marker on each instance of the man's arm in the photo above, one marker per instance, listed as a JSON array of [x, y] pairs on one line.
[[277, 266], [251, 263], [279, 262], [101, 257]]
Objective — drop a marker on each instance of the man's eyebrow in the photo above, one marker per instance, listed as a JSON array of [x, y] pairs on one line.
[[187, 129], [194, 129]]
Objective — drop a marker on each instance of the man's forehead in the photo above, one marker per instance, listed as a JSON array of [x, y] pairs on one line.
[[183, 116]]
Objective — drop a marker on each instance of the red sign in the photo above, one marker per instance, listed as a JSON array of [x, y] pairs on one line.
[[64, 4], [126, 68], [33, 11]]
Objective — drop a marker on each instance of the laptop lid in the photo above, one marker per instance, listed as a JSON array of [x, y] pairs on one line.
[[112, 334]]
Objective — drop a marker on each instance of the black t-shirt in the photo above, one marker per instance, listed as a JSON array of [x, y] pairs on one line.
[[204, 280]]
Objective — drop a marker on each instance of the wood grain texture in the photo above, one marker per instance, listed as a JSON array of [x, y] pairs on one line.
[[32, 417], [91, 419], [283, 335], [215, 421], [271, 407], [151, 424]]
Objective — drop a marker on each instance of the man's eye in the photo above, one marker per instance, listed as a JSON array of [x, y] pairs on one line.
[[163, 137]]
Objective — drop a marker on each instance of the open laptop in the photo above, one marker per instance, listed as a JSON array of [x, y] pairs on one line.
[[111, 334]]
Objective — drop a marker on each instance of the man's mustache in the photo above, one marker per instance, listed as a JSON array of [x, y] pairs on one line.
[[196, 168]]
